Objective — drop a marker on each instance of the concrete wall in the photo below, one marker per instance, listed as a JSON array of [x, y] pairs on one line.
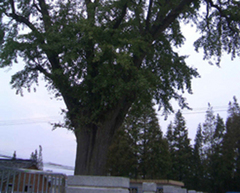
[[149, 187], [97, 184], [102, 184]]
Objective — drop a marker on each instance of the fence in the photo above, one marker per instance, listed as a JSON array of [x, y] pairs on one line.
[[15, 180]]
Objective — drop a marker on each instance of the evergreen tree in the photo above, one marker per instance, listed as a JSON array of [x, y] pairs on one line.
[[40, 158], [37, 158], [170, 140], [197, 167], [34, 156], [198, 145], [208, 131], [170, 137], [14, 155], [213, 133], [122, 160], [151, 145], [231, 148], [145, 141], [180, 149], [215, 158]]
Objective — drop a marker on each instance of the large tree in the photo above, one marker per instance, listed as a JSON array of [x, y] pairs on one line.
[[100, 55]]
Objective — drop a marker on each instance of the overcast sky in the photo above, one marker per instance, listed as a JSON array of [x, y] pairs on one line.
[[24, 121]]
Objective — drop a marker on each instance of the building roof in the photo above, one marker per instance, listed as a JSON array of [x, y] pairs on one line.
[[19, 163]]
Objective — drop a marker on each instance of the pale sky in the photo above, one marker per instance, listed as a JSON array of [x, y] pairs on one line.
[[24, 121]]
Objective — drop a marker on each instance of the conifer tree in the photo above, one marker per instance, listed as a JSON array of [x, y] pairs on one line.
[[208, 131], [197, 167], [180, 149], [34, 156], [231, 148], [169, 137], [146, 143], [122, 159], [216, 161], [40, 158], [37, 158], [213, 132], [170, 140]]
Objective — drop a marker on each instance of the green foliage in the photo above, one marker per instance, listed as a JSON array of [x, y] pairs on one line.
[[212, 150], [231, 148], [122, 160], [100, 50], [197, 167], [139, 150], [220, 30], [180, 149], [209, 127]]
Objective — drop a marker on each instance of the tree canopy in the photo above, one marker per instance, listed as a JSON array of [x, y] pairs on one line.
[[100, 56]]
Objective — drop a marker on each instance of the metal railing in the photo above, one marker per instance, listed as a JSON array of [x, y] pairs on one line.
[[15, 180]]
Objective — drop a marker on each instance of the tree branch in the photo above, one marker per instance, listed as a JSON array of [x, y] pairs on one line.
[[149, 14], [166, 21], [42, 70], [12, 6], [21, 19], [222, 14], [90, 10], [36, 6], [45, 14], [120, 19]]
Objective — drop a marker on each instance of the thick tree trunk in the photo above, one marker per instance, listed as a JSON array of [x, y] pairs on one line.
[[92, 148], [93, 142]]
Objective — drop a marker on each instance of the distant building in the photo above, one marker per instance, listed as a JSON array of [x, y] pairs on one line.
[[18, 175], [19, 163]]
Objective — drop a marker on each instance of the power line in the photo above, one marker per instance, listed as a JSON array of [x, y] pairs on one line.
[[199, 110], [202, 110]]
